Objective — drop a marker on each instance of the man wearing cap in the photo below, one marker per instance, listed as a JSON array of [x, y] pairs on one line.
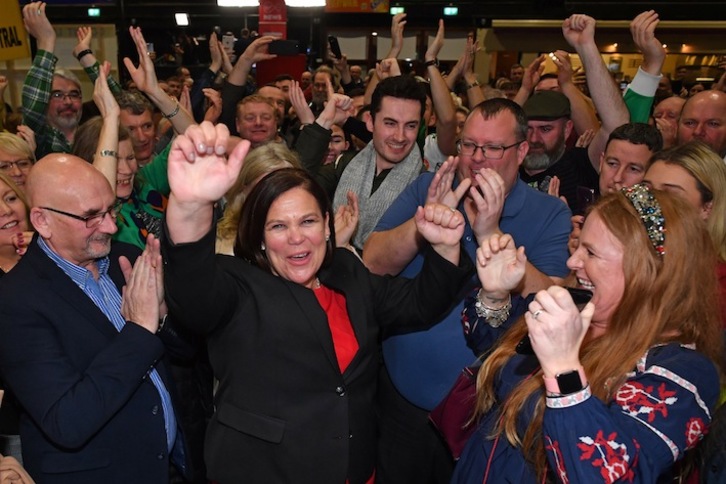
[[549, 123]]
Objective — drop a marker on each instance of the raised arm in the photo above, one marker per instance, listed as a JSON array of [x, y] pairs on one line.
[[106, 157], [398, 23], [199, 175], [441, 97], [640, 93], [583, 113], [530, 79], [473, 88], [82, 51], [579, 31], [38, 82], [145, 78]]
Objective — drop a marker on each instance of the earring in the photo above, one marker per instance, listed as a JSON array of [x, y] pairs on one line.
[[327, 238], [262, 246]]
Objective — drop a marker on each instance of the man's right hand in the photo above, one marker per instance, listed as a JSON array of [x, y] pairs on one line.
[[38, 25]]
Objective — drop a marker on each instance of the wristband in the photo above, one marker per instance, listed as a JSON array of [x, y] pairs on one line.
[[173, 113], [434, 63], [108, 153], [83, 53], [566, 383], [473, 84]]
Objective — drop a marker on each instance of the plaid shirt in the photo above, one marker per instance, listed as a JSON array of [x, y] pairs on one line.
[[92, 73], [36, 95]]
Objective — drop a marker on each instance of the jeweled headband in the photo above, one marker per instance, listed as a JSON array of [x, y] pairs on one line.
[[650, 214]]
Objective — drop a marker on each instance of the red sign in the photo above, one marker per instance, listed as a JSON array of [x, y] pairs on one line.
[[273, 18]]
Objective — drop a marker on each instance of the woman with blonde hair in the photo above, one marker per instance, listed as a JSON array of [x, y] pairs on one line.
[[696, 173], [16, 158], [258, 163], [14, 223], [620, 389]]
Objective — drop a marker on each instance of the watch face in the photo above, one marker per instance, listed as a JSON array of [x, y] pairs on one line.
[[569, 382]]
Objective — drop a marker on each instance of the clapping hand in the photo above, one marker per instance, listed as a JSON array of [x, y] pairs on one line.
[[441, 188], [346, 220], [500, 266], [143, 294]]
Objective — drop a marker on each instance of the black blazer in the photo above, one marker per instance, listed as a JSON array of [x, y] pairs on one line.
[[284, 412], [91, 413]]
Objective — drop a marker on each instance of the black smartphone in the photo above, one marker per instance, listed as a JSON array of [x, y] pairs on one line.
[[585, 198], [335, 46], [284, 47], [580, 296]]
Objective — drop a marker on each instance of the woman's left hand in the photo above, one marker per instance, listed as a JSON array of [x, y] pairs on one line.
[[556, 329], [21, 241], [145, 75]]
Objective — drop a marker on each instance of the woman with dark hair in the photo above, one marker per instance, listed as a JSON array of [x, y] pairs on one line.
[[292, 324], [619, 390]]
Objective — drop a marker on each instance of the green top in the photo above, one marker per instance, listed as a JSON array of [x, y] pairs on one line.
[[141, 213]]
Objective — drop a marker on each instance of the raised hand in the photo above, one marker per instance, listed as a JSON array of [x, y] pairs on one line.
[[500, 266], [257, 50], [388, 68], [215, 53], [102, 95], [564, 67], [144, 75], [214, 111], [398, 22], [300, 105], [199, 172], [532, 73], [486, 201], [435, 46], [37, 24], [84, 35], [441, 188], [642, 28], [573, 242], [442, 227], [558, 330], [579, 30], [585, 139], [346, 220]]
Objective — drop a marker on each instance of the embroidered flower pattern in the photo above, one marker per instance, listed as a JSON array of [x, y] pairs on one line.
[[695, 430], [609, 455], [636, 399]]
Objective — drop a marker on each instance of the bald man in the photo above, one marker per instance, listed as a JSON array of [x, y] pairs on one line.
[[703, 118], [83, 361]]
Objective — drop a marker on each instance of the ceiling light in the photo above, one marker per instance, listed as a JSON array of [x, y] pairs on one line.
[[238, 3], [182, 19], [305, 3]]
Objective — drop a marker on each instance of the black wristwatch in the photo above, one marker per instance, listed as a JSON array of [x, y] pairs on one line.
[[434, 63]]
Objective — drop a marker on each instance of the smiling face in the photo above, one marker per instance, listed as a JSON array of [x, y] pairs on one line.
[[598, 265], [394, 128], [498, 130], [623, 164], [13, 215], [126, 170], [337, 144], [64, 112], [18, 167], [256, 122], [295, 237]]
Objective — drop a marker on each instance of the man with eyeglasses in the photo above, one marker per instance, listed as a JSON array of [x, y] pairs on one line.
[[420, 367], [52, 98], [84, 359]]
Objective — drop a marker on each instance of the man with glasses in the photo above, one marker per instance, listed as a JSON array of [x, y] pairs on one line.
[[52, 98], [420, 367], [83, 360]]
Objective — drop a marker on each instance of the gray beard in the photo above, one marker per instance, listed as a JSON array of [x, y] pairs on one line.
[[536, 162], [542, 161]]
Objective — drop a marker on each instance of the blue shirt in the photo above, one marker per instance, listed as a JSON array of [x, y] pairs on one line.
[[105, 296], [423, 365]]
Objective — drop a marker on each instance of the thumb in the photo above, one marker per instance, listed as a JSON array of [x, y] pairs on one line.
[[126, 268], [586, 314]]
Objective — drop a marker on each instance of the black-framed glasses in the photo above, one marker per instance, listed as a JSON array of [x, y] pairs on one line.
[[492, 152], [60, 95], [92, 221], [6, 166]]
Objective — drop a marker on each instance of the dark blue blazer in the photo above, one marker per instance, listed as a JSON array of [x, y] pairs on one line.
[[91, 414]]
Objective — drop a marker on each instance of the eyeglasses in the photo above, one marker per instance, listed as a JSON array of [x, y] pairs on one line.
[[60, 95], [6, 166], [492, 152], [92, 221]]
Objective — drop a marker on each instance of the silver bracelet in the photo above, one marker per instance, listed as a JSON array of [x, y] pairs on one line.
[[494, 317], [173, 113]]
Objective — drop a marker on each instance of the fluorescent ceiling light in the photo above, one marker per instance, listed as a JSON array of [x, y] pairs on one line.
[[182, 19], [238, 3], [305, 3]]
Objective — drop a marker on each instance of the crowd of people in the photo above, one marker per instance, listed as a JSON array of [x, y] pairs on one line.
[[211, 280]]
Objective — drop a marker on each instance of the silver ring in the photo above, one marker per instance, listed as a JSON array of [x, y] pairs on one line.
[[452, 209], [536, 314]]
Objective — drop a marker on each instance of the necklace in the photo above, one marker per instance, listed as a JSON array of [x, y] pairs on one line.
[[316, 284]]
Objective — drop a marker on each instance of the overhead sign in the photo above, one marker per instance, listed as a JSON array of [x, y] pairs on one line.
[[273, 18], [357, 6], [13, 38]]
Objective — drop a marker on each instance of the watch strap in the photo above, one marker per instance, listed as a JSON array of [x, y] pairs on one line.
[[566, 383]]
